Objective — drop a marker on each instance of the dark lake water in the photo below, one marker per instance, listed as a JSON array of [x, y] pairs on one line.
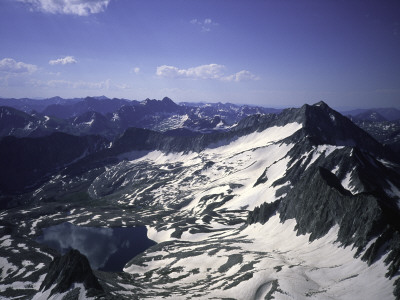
[[107, 249]]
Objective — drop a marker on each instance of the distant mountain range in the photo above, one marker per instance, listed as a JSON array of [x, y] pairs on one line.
[[381, 123], [374, 114], [111, 117]]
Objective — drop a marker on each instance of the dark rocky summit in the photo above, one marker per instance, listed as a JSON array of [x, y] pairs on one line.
[[64, 271]]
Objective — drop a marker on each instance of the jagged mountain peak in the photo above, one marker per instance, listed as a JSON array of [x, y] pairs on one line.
[[64, 271], [167, 100], [149, 101], [327, 126], [321, 125], [101, 97], [166, 105], [321, 104]]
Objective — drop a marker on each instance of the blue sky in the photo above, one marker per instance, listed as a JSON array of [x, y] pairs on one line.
[[271, 53]]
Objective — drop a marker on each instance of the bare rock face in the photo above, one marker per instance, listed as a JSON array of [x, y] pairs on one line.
[[64, 271]]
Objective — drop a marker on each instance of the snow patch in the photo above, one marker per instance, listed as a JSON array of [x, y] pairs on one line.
[[6, 267], [346, 182]]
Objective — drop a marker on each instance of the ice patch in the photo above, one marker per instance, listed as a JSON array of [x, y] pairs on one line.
[[387, 163], [6, 243], [346, 182], [115, 117], [27, 263], [33, 226], [393, 192], [256, 139], [322, 149], [88, 123], [6, 267], [159, 236]]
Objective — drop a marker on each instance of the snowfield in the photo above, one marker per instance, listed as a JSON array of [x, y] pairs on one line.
[[274, 259], [257, 261], [195, 205]]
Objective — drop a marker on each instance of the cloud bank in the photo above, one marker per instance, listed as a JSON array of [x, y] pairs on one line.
[[69, 7], [9, 65], [211, 71], [63, 61]]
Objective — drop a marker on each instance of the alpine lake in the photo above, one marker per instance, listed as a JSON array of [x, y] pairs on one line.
[[107, 249]]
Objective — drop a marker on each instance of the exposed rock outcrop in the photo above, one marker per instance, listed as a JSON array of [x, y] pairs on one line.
[[64, 271]]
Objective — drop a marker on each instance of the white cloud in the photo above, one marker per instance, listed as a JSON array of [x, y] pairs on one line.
[[205, 25], [63, 61], [243, 75], [70, 7], [11, 66], [211, 71]]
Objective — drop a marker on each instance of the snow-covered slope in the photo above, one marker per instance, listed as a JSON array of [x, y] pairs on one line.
[[258, 262], [295, 206]]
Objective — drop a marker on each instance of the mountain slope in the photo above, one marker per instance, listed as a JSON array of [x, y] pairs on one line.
[[290, 206], [28, 105], [27, 161], [390, 113], [13, 120], [100, 105], [386, 132]]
